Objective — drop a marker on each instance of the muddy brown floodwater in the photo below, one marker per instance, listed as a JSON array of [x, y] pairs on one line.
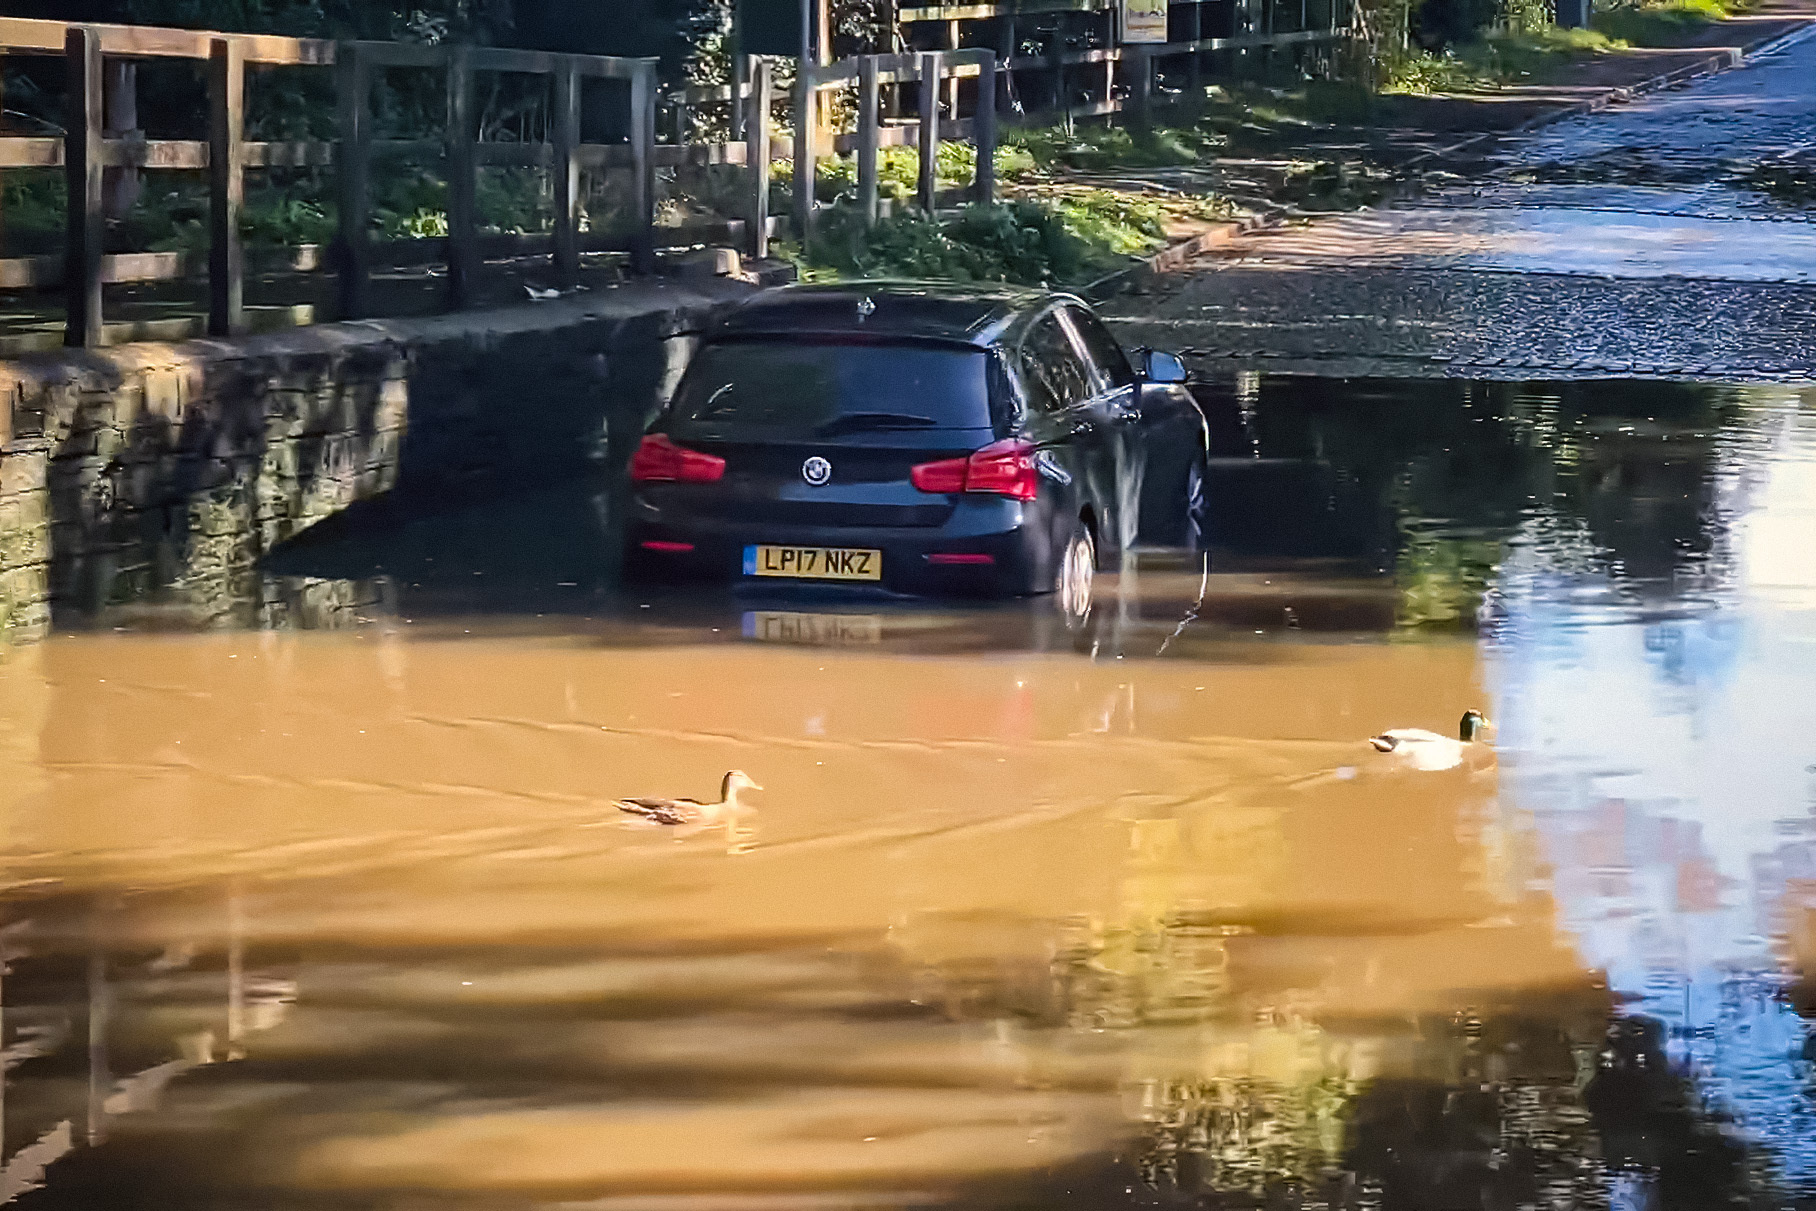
[[1131, 916]]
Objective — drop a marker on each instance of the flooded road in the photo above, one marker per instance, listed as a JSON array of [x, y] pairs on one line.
[[1666, 236], [331, 908]]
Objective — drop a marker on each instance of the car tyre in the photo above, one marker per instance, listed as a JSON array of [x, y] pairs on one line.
[[1074, 582], [1198, 509]]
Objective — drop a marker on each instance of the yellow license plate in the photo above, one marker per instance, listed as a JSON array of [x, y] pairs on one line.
[[829, 630], [813, 563]]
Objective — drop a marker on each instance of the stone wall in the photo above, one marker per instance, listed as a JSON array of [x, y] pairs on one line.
[[165, 472], [24, 539]]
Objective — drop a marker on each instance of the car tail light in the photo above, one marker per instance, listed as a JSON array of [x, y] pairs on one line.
[[668, 548], [659, 460], [959, 560], [1004, 468]]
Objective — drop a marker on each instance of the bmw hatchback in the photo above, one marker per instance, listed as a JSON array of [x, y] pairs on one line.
[[913, 438]]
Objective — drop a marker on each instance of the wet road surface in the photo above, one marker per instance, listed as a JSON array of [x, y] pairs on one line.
[[322, 904], [1668, 237]]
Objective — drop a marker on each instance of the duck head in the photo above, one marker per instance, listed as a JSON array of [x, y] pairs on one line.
[[1473, 724], [735, 781]]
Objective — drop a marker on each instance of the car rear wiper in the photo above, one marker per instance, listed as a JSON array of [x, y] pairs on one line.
[[854, 421]]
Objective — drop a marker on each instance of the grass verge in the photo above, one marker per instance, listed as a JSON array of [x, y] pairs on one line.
[[1509, 57], [1051, 230]]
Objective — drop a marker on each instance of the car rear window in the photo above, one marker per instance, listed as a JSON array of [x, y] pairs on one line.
[[794, 389]]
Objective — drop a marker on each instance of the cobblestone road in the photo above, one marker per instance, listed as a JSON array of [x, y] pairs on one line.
[[1673, 236]]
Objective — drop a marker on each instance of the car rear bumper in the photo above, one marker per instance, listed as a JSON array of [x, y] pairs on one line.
[[985, 547]]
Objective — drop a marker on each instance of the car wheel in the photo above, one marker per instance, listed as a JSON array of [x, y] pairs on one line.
[[1074, 582], [1197, 507]]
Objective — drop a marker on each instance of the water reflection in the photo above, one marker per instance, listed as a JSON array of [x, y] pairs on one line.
[[343, 917]]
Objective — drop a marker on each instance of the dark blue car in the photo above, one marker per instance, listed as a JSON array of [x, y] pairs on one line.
[[924, 439]]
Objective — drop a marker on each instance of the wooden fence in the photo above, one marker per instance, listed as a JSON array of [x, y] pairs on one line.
[[871, 74], [1126, 79], [1081, 54], [84, 152], [1047, 82]]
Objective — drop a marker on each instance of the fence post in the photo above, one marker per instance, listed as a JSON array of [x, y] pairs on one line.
[[951, 89], [1197, 58], [804, 168], [740, 77], [86, 226], [1005, 56], [1112, 57], [756, 154], [930, 130], [984, 131], [463, 184], [868, 120], [1143, 85], [567, 174], [643, 166], [353, 160], [226, 186]]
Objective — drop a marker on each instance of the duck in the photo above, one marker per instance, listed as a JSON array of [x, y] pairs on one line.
[[1425, 750], [692, 811]]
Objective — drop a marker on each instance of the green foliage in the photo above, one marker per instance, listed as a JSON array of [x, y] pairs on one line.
[[1021, 242], [1537, 55], [1066, 236], [1121, 224], [1422, 74], [898, 170], [285, 210], [1660, 24], [32, 205], [1529, 47], [1095, 148], [273, 218], [418, 21], [1339, 102], [1526, 16], [1441, 579], [1494, 59]]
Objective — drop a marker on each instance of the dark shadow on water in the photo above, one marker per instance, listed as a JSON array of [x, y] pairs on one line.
[[102, 993], [1369, 506]]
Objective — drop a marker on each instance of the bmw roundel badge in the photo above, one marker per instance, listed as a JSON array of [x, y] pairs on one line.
[[816, 471]]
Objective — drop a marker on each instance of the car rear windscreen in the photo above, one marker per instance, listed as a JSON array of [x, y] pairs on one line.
[[777, 389]]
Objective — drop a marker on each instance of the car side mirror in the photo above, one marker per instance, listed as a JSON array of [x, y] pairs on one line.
[[1159, 367]]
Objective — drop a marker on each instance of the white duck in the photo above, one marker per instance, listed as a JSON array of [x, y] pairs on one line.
[[692, 811], [1425, 750]]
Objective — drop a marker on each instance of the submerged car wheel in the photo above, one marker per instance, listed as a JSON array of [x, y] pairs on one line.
[[1197, 513], [1074, 582]]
